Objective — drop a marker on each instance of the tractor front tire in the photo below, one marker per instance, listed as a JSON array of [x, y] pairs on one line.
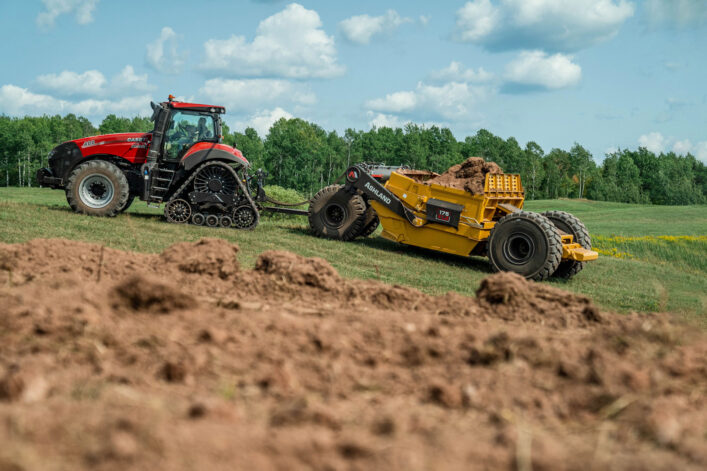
[[128, 202], [335, 213], [525, 243], [570, 224], [97, 188]]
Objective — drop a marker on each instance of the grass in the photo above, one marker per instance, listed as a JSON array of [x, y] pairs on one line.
[[654, 256]]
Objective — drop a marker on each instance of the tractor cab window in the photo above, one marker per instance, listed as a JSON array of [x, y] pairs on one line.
[[186, 129]]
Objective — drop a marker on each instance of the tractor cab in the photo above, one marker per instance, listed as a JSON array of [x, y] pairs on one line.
[[181, 125]]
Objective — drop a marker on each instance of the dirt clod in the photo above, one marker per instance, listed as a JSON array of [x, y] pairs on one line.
[[11, 386], [298, 270], [469, 175], [209, 256], [143, 294], [173, 372]]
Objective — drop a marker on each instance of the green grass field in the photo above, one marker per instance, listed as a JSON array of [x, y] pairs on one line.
[[654, 258]]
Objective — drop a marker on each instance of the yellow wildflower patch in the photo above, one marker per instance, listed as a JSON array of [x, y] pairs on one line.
[[613, 252], [620, 239]]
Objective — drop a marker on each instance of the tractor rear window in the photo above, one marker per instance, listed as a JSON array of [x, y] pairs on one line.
[[186, 129]]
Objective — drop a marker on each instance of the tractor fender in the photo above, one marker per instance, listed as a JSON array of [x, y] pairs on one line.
[[64, 158], [202, 152]]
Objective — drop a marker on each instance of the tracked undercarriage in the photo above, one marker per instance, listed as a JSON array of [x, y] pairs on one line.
[[213, 195]]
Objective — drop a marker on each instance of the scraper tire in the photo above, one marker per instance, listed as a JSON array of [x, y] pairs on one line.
[[569, 224], [525, 243], [335, 213]]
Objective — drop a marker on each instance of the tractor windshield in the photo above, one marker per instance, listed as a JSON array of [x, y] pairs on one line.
[[187, 128]]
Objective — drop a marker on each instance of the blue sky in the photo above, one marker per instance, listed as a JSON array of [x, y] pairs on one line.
[[605, 73]]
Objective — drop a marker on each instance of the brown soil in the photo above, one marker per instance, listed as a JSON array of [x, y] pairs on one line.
[[118, 360], [469, 175]]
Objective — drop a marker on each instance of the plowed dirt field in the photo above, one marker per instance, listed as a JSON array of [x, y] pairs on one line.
[[184, 360]]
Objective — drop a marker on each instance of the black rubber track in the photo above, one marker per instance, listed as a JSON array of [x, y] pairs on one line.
[[121, 188], [336, 214], [569, 224], [546, 251], [243, 190]]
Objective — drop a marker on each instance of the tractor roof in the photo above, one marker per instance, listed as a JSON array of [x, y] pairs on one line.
[[196, 107]]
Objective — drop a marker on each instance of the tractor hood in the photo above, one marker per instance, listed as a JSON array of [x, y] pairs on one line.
[[122, 144], [133, 147]]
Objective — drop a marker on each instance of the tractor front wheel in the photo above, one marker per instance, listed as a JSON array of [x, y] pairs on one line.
[[335, 213], [97, 188], [128, 202], [525, 243]]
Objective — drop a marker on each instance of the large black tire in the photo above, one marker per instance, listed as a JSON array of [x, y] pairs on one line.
[[97, 188], [525, 243], [370, 222], [336, 214], [569, 224], [130, 200]]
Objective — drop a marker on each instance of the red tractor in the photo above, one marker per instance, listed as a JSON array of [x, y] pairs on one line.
[[181, 163]]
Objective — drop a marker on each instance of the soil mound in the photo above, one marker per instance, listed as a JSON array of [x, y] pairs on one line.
[[138, 293], [290, 366], [469, 175], [208, 256], [298, 270], [513, 297]]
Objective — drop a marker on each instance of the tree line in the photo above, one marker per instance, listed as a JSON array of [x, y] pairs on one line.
[[301, 155]]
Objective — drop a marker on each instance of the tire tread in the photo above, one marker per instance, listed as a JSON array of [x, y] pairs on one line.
[[358, 206], [570, 268], [123, 191], [554, 248]]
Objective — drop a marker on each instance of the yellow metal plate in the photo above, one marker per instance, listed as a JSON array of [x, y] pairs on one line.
[[577, 252]]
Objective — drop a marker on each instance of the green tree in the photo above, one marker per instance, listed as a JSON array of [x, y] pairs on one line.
[[532, 171], [582, 167]]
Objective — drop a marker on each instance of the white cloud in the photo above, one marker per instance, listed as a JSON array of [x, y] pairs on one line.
[[685, 147], [128, 106], [700, 151], [537, 69], [93, 83], [657, 143], [394, 102], [476, 20], [17, 101], [162, 54], [250, 94], [82, 10], [380, 120], [676, 14], [556, 25], [361, 28], [654, 142], [682, 147], [68, 83], [263, 120], [128, 80], [290, 43], [452, 101], [457, 73], [424, 20]]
